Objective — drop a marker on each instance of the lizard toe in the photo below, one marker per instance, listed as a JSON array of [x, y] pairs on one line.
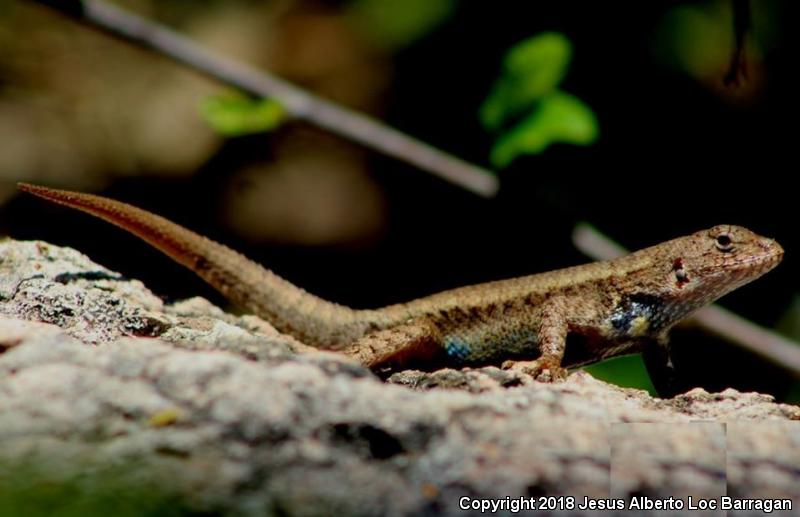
[[540, 370]]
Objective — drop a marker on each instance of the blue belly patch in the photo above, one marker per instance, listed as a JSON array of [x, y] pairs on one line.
[[457, 348]]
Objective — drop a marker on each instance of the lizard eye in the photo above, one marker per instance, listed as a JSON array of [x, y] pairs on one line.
[[724, 242]]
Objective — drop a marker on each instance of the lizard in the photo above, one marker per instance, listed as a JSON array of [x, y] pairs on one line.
[[539, 324]]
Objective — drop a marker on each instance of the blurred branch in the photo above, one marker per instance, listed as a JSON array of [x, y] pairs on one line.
[[299, 103], [714, 319]]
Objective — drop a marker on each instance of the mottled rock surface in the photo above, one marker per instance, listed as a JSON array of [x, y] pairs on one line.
[[98, 377]]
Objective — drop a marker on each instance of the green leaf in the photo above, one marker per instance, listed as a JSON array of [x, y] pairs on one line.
[[233, 114], [628, 371], [542, 61], [789, 323], [393, 24], [697, 39], [532, 69], [558, 118]]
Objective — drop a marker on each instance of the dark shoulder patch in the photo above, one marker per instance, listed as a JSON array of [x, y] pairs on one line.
[[632, 307]]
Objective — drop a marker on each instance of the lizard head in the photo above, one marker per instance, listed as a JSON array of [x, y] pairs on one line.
[[679, 276], [711, 263]]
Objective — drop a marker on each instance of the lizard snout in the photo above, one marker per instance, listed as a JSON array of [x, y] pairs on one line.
[[771, 248]]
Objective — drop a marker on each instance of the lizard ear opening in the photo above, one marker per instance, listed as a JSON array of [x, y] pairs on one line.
[[681, 276]]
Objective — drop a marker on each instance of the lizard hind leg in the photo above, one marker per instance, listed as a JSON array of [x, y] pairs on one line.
[[398, 346]]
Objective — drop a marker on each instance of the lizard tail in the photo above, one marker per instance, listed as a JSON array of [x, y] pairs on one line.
[[315, 321]]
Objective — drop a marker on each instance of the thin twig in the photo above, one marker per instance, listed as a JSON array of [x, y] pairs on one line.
[[298, 103], [714, 319]]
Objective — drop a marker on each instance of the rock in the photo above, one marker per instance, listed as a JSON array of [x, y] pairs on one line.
[[107, 391], [42, 282]]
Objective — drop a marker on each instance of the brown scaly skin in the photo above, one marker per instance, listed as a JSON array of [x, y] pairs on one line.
[[606, 308]]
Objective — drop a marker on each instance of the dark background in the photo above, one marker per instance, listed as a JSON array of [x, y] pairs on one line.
[[674, 156]]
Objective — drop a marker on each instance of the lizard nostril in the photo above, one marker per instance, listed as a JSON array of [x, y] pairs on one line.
[[769, 245]]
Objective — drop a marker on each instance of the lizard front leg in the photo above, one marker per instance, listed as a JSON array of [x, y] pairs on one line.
[[551, 340], [658, 361]]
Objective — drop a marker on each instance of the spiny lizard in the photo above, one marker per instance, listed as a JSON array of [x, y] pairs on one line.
[[605, 308]]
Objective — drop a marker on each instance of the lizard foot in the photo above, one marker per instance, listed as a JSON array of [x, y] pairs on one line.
[[541, 370]]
